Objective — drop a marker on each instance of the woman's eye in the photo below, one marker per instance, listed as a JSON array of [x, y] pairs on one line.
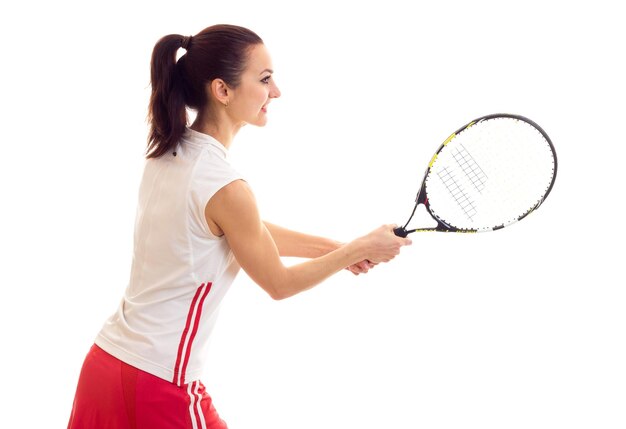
[[266, 79]]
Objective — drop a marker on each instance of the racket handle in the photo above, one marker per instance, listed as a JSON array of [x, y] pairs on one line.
[[400, 232]]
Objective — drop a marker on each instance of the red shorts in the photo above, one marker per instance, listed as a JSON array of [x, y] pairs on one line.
[[112, 394]]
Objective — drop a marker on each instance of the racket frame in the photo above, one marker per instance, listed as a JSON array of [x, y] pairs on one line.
[[422, 196]]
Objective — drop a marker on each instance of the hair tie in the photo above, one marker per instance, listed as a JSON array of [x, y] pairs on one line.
[[186, 42]]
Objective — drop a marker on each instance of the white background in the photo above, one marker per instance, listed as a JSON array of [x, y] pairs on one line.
[[522, 328]]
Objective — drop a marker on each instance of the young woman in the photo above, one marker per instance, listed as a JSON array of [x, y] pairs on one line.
[[197, 224]]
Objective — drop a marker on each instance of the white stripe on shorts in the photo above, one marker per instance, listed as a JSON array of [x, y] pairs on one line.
[[197, 421], [192, 399], [200, 413]]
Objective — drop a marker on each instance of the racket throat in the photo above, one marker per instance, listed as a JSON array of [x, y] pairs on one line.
[[425, 218]]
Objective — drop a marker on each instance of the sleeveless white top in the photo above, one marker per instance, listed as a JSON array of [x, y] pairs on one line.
[[180, 270]]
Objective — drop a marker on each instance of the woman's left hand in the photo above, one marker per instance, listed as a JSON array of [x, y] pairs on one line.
[[361, 267]]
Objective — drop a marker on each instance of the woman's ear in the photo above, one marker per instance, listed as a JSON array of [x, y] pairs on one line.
[[220, 91]]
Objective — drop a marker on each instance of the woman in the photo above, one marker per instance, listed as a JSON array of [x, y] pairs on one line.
[[197, 223]]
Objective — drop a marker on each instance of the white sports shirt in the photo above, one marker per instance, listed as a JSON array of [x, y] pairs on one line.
[[180, 270]]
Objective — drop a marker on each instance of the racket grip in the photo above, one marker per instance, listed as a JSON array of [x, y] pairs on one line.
[[400, 232]]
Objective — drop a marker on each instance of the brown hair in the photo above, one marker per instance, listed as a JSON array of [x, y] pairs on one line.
[[219, 51]]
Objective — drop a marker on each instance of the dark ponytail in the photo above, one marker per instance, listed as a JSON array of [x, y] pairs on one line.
[[219, 51], [167, 113]]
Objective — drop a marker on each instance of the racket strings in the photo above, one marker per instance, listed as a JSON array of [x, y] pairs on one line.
[[470, 167], [462, 198]]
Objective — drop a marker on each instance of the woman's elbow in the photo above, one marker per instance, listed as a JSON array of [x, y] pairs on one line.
[[276, 290], [280, 292], [278, 295]]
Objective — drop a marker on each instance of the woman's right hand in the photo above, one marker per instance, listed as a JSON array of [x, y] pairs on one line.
[[382, 245]]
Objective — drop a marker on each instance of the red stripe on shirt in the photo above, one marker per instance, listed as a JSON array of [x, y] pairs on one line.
[[195, 329], [183, 338]]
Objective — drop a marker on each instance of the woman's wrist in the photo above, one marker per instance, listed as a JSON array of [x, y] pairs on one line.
[[355, 251]]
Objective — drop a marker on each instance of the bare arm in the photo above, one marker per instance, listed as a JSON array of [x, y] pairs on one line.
[[292, 243], [234, 210]]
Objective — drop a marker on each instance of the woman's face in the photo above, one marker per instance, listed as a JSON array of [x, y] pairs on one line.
[[248, 102]]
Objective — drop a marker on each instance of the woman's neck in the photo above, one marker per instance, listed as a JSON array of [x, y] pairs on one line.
[[221, 129]]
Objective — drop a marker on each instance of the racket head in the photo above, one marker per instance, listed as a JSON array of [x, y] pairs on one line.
[[490, 173]]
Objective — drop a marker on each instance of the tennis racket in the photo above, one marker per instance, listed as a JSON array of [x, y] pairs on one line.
[[489, 174]]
